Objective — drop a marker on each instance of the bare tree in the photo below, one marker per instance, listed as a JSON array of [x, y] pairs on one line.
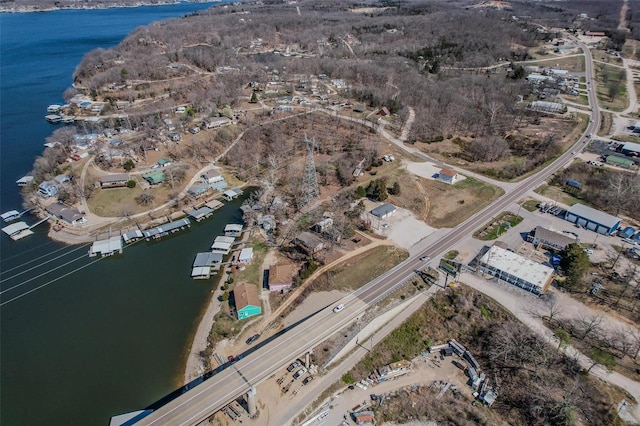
[[145, 198]]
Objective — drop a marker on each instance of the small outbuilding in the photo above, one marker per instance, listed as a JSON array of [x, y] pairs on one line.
[[246, 255], [448, 175], [309, 243]]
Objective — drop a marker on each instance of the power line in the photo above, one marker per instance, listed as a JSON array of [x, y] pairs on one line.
[[42, 274], [43, 263], [50, 282]]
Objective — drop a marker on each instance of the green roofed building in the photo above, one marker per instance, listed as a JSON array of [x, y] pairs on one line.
[[614, 160], [155, 177], [164, 162]]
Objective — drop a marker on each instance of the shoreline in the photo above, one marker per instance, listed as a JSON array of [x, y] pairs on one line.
[[36, 9]]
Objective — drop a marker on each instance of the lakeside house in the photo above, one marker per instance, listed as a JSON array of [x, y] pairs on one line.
[[70, 215], [48, 189], [246, 301], [198, 190], [211, 176], [281, 277]]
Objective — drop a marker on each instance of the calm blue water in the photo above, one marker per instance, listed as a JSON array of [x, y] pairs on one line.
[[83, 341]]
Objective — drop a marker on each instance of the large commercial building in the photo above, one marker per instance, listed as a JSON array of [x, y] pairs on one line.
[[592, 219], [514, 269]]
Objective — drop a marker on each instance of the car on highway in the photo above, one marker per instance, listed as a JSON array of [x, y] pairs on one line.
[[338, 308], [424, 258], [252, 339], [307, 380], [300, 373], [293, 366]]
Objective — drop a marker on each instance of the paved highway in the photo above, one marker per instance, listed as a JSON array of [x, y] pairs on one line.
[[213, 394]]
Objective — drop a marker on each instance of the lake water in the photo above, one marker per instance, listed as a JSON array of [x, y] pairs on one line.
[[84, 340]]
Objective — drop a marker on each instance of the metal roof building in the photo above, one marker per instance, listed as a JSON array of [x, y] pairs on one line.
[[201, 213], [106, 247], [514, 269], [245, 256], [225, 239], [383, 211], [631, 148], [549, 239], [233, 229], [132, 236], [592, 219], [246, 301], [162, 230], [202, 264], [221, 247]]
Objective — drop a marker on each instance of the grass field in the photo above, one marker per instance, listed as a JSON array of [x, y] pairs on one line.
[[453, 204], [606, 76], [557, 194], [573, 63], [605, 123], [359, 270], [529, 205], [252, 273]]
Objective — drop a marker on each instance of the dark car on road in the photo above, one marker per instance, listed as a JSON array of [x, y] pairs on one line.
[[252, 339]]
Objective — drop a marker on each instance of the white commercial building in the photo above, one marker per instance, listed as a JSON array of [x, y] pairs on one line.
[[514, 269]]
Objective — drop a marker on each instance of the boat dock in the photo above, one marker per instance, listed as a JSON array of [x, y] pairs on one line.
[[201, 213], [166, 229], [107, 247], [19, 230], [12, 215]]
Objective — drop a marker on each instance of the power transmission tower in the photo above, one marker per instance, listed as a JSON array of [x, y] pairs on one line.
[[309, 178]]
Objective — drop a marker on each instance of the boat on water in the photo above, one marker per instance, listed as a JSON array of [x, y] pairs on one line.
[[10, 216]]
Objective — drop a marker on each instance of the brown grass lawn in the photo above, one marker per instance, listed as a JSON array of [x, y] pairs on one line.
[[557, 194], [605, 123], [575, 63], [631, 49], [359, 270], [451, 205], [614, 73]]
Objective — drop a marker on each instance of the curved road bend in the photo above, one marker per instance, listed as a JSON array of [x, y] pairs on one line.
[[198, 403]]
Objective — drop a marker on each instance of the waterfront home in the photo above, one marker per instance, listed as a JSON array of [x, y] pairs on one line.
[[246, 255], [232, 230], [48, 189], [214, 123], [106, 247], [198, 190], [211, 176], [70, 215], [246, 301], [114, 181], [281, 277]]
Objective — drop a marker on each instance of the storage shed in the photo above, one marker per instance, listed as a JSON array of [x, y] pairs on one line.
[[384, 211]]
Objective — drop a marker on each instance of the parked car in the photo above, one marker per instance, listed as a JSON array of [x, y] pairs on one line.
[[424, 258], [194, 130], [293, 366], [300, 373], [338, 308], [252, 339], [307, 380]]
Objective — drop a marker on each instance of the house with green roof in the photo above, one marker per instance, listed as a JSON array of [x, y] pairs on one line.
[[155, 177], [164, 162], [614, 160]]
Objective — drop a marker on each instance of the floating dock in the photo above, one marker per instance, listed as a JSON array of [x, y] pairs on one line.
[[24, 180], [166, 229], [15, 231]]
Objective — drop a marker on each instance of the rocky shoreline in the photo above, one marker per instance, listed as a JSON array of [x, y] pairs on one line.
[[36, 7]]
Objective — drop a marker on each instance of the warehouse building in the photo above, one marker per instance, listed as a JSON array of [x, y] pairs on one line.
[[592, 219], [514, 269], [631, 148]]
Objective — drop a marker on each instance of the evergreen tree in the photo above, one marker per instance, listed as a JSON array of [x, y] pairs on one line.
[[575, 263]]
